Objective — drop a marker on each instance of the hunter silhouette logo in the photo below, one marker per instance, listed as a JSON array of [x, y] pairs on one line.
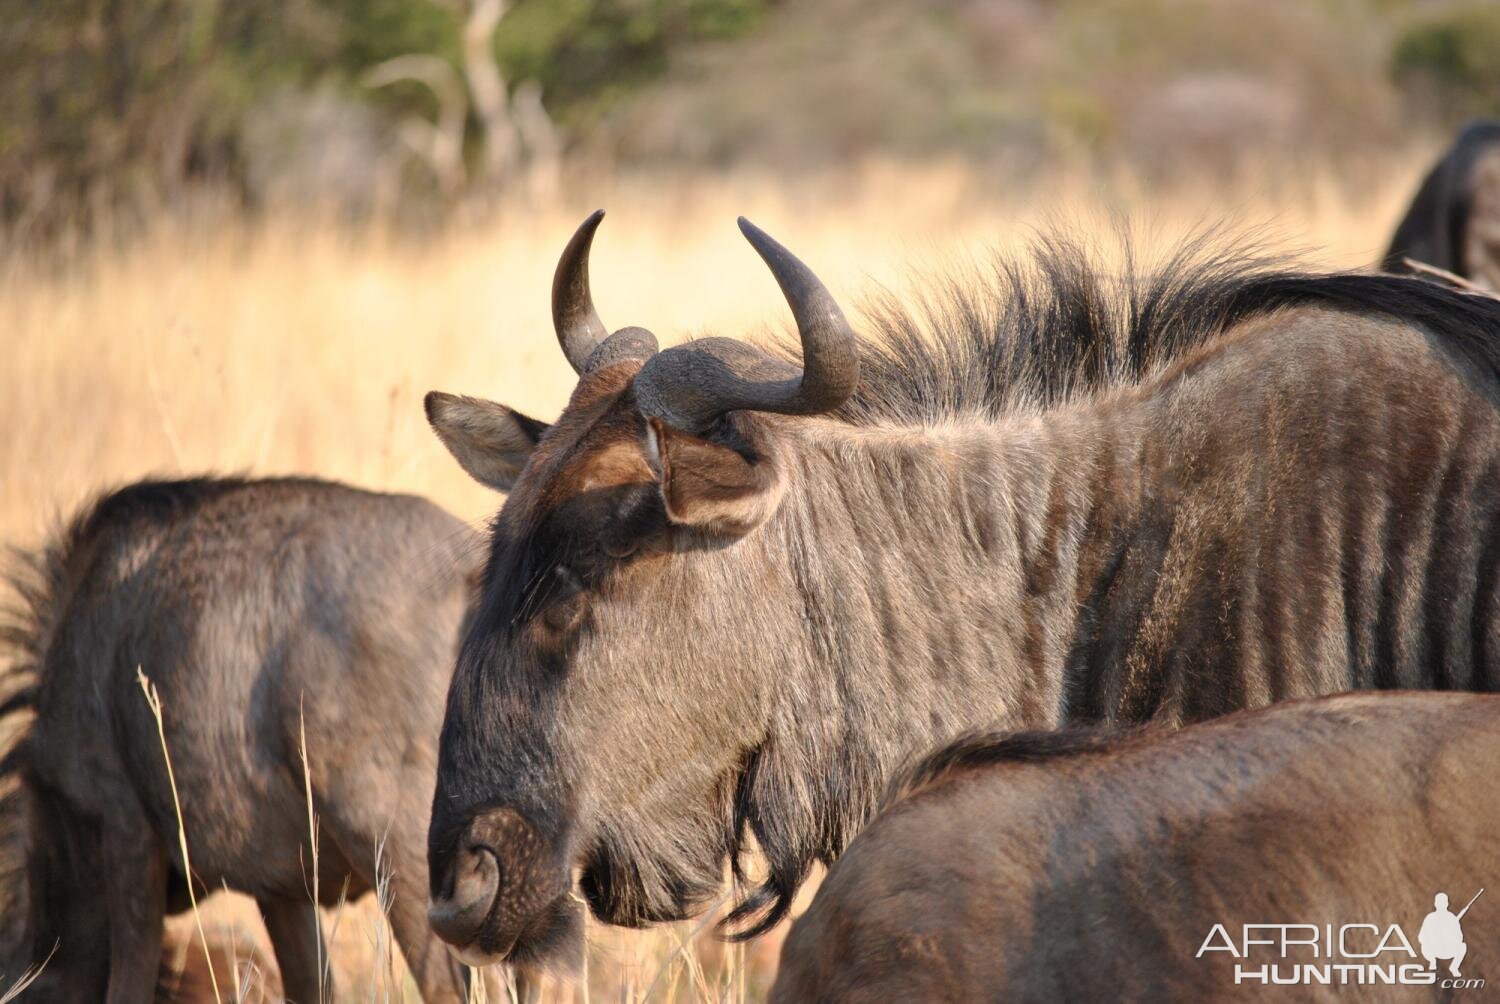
[[1442, 937]]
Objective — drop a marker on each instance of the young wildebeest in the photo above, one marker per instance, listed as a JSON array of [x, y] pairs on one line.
[[728, 595], [1066, 866], [256, 608], [1454, 219]]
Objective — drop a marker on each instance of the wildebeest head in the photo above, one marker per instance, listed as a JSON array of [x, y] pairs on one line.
[[610, 708], [1453, 221]]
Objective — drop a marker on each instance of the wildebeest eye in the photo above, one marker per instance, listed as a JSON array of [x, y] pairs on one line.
[[566, 603], [620, 545], [636, 523]]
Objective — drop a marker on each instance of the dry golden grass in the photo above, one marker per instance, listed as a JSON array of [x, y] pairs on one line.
[[290, 346]]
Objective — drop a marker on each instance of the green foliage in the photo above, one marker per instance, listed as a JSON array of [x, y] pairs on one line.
[[100, 97], [110, 101], [376, 30], [588, 52], [1457, 52], [124, 103]]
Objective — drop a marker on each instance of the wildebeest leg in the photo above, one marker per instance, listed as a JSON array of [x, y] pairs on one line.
[[293, 927], [528, 987], [135, 889], [401, 861], [439, 975]]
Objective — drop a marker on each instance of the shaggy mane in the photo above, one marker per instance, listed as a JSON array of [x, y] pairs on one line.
[[978, 750], [34, 581], [1055, 326], [1040, 329]]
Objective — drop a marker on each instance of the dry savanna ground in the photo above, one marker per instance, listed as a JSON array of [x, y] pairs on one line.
[[291, 346]]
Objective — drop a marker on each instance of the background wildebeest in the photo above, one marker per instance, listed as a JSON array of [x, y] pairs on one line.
[[254, 607], [1454, 219], [1078, 866], [730, 594]]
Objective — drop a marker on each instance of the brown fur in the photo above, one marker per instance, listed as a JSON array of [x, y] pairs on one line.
[[1089, 867]]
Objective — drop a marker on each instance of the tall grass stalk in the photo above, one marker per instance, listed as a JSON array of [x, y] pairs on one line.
[[154, 700], [312, 835], [27, 978]]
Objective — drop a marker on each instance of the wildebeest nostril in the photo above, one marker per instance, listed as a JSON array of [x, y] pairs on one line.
[[498, 889], [458, 917]]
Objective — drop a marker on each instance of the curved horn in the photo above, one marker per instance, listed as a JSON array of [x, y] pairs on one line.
[[830, 358], [692, 385], [579, 330]]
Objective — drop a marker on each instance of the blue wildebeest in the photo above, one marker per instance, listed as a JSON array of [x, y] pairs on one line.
[[732, 591], [1084, 866], [262, 611], [1454, 219]]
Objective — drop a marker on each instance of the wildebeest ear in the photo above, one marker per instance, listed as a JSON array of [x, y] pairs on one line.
[[711, 486], [489, 440]]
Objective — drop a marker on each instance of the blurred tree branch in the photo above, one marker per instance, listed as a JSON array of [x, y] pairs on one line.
[[487, 86], [440, 144], [517, 138]]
